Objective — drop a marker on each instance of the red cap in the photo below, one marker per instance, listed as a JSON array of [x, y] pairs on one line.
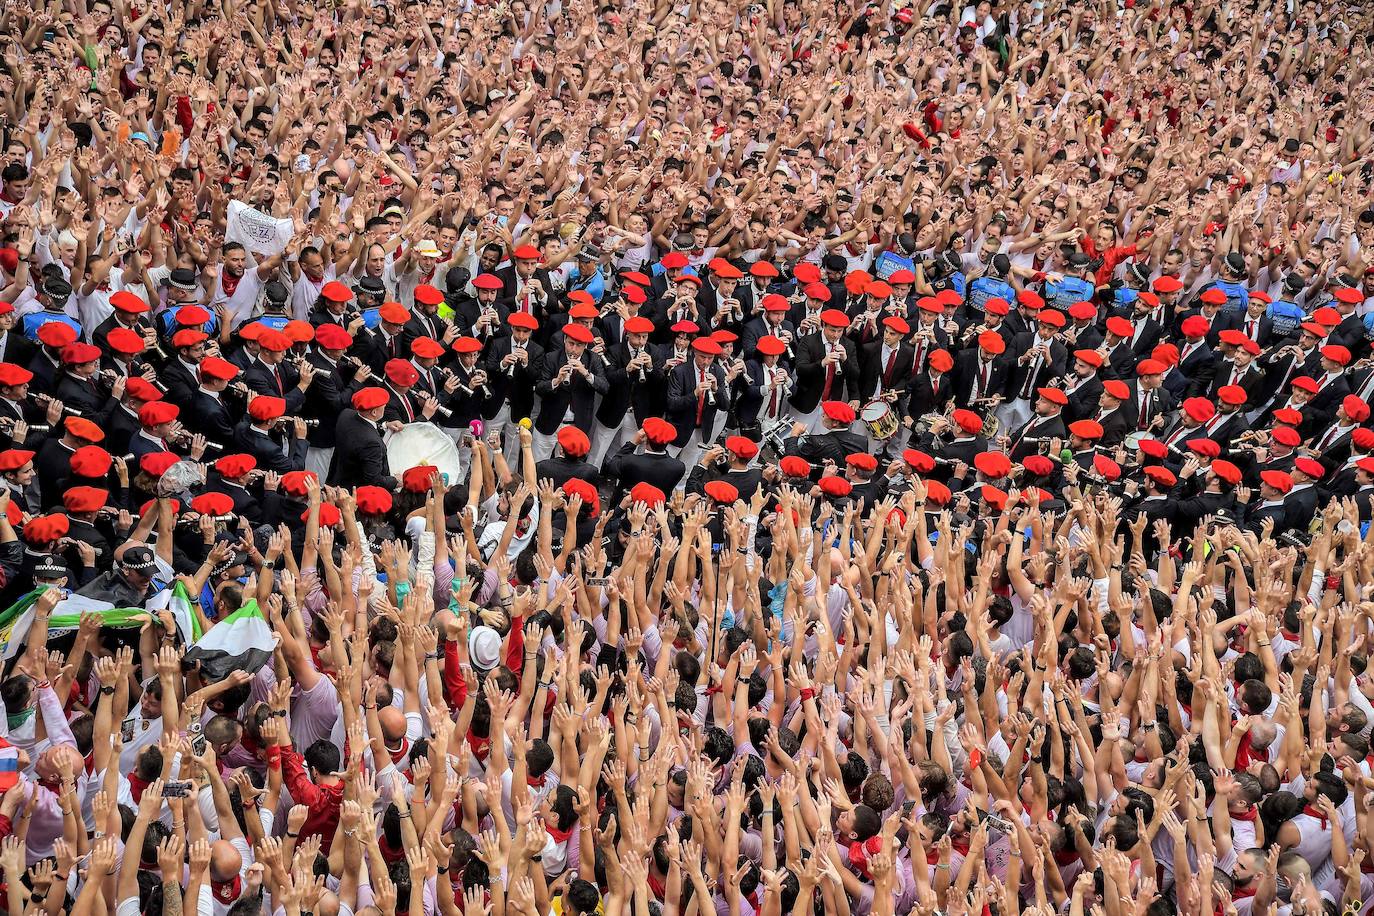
[[74, 354], [1120, 326], [1052, 318], [189, 337], [157, 413], [937, 493], [1348, 294], [1327, 316], [393, 313], [1356, 409], [213, 504], [835, 318], [370, 398], [527, 253], [941, 361], [155, 464], [56, 334], [1150, 367], [401, 372], [1207, 448], [192, 316], [524, 320], [806, 272], [706, 345], [419, 479], [836, 487], [996, 307], [648, 494], [1200, 409], [574, 441], [578, 333], [674, 260], [334, 291], [1091, 357], [295, 483], [427, 348], [265, 408], [793, 466], [634, 294], [1310, 466], [968, 421], [236, 465], [270, 340], [720, 491], [994, 497], [763, 270], [638, 324], [897, 323], [14, 458], [1152, 448], [428, 295], [1195, 327], [46, 528], [1287, 435], [1038, 465], [123, 340], [1337, 354], [467, 344], [1213, 296], [85, 429], [487, 281], [373, 500], [818, 291], [1053, 395], [878, 289], [685, 327], [659, 431], [920, 462], [1161, 475], [299, 331], [1279, 480], [1082, 311], [1226, 471], [1304, 383], [1106, 467], [1234, 395], [91, 461], [769, 345], [862, 461], [838, 411], [1289, 416], [901, 276], [741, 447], [128, 303], [1117, 389], [992, 342], [1030, 299], [992, 464], [775, 303], [1086, 429], [1167, 284], [222, 369]]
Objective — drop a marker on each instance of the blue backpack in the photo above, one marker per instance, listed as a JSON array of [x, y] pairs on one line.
[[889, 262], [1067, 291], [35, 320], [168, 319], [1237, 296], [985, 288], [1286, 317], [1125, 295]]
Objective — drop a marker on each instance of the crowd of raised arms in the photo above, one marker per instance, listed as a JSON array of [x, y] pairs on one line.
[[694, 458]]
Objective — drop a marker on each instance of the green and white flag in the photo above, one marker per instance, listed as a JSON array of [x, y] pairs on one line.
[[179, 601], [240, 642], [66, 617]]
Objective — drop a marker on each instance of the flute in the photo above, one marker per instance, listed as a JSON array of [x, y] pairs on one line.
[[48, 399]]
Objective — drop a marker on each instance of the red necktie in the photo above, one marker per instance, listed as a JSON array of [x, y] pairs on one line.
[[829, 381], [276, 374], [701, 398], [772, 401], [983, 378], [887, 370]]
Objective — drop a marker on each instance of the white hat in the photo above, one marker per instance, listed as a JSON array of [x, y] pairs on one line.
[[427, 249], [484, 647]]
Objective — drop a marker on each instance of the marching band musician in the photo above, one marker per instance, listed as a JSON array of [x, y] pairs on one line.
[[123, 348], [885, 374], [761, 402], [208, 414], [771, 322], [336, 377], [1046, 423], [569, 380], [273, 375], [179, 374], [512, 366], [119, 418], [275, 446], [827, 369], [77, 386], [384, 342], [1038, 358], [525, 286], [127, 314], [467, 389], [833, 442], [698, 400], [980, 373], [636, 381], [404, 405]]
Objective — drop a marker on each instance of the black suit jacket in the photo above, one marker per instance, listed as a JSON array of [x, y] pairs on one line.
[[639, 391], [514, 383], [359, 455], [927, 395], [873, 371], [326, 398], [267, 450], [656, 468], [210, 417], [284, 383], [966, 373], [684, 402], [81, 395], [811, 373], [578, 393]]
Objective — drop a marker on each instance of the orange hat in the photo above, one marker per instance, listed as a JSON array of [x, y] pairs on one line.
[[1279, 480], [214, 504], [838, 411], [334, 291], [992, 464], [89, 461], [994, 497], [232, 466], [84, 499], [467, 344], [370, 398], [1091, 357], [123, 340], [12, 459], [574, 441], [373, 500], [1226, 471], [968, 421], [1356, 409], [941, 361], [741, 447], [393, 313], [82, 428], [155, 464], [426, 348], [992, 342], [793, 466], [401, 372], [648, 494], [1161, 475], [720, 491], [1200, 409], [299, 331], [862, 461], [46, 528], [265, 408], [1117, 389], [1106, 467], [222, 369], [836, 487], [1054, 395], [1086, 429], [659, 431], [295, 482], [1234, 395], [419, 479]]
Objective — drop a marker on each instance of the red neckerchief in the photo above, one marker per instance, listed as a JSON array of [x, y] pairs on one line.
[[230, 284], [656, 885], [1315, 812], [1241, 893], [400, 754], [1065, 857], [481, 747], [960, 845], [1243, 752], [136, 787], [1251, 814], [932, 856], [559, 836], [536, 782], [227, 891]]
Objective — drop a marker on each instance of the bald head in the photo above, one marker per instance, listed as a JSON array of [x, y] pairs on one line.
[[393, 724], [56, 759], [225, 860]]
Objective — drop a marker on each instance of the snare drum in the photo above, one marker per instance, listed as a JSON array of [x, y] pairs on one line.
[[880, 418]]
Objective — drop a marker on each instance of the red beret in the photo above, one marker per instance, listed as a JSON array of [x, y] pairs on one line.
[[373, 500], [1232, 394], [370, 398], [648, 494], [1161, 475], [1086, 429], [1120, 326], [574, 441], [764, 270], [968, 421], [123, 340], [400, 372], [835, 318], [793, 466], [1207, 448], [1106, 467], [85, 429], [334, 291], [769, 345], [46, 528], [941, 361], [1356, 409], [1117, 389], [720, 491], [213, 504], [996, 306], [523, 320], [578, 333], [1152, 448], [487, 281], [127, 302], [838, 411], [1195, 326], [992, 342], [265, 407], [1090, 357], [74, 354], [1213, 296], [992, 464], [155, 464], [591, 500], [862, 461], [1337, 354], [1051, 318], [1167, 284], [707, 345], [84, 499], [91, 461], [527, 253], [919, 461], [12, 459], [236, 465], [993, 496], [393, 313], [1200, 409], [836, 486], [426, 348], [428, 295], [1310, 466], [419, 478], [329, 515], [221, 369], [468, 344], [1082, 311], [56, 334], [741, 446], [295, 482], [659, 431], [1038, 465], [1287, 435], [1279, 480], [155, 413], [1361, 438], [1226, 471]]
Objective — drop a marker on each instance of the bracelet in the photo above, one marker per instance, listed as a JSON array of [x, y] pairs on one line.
[[62, 878], [176, 826], [292, 835], [942, 866], [405, 814]]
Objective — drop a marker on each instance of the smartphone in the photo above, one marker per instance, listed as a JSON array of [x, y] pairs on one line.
[[176, 789], [597, 582], [992, 820]]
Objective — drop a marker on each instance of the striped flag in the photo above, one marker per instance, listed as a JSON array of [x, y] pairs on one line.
[[240, 642]]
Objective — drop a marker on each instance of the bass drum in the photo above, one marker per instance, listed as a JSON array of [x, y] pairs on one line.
[[880, 419], [423, 444]]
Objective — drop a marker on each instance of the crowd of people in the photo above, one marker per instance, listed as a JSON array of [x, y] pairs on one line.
[[1019, 354]]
